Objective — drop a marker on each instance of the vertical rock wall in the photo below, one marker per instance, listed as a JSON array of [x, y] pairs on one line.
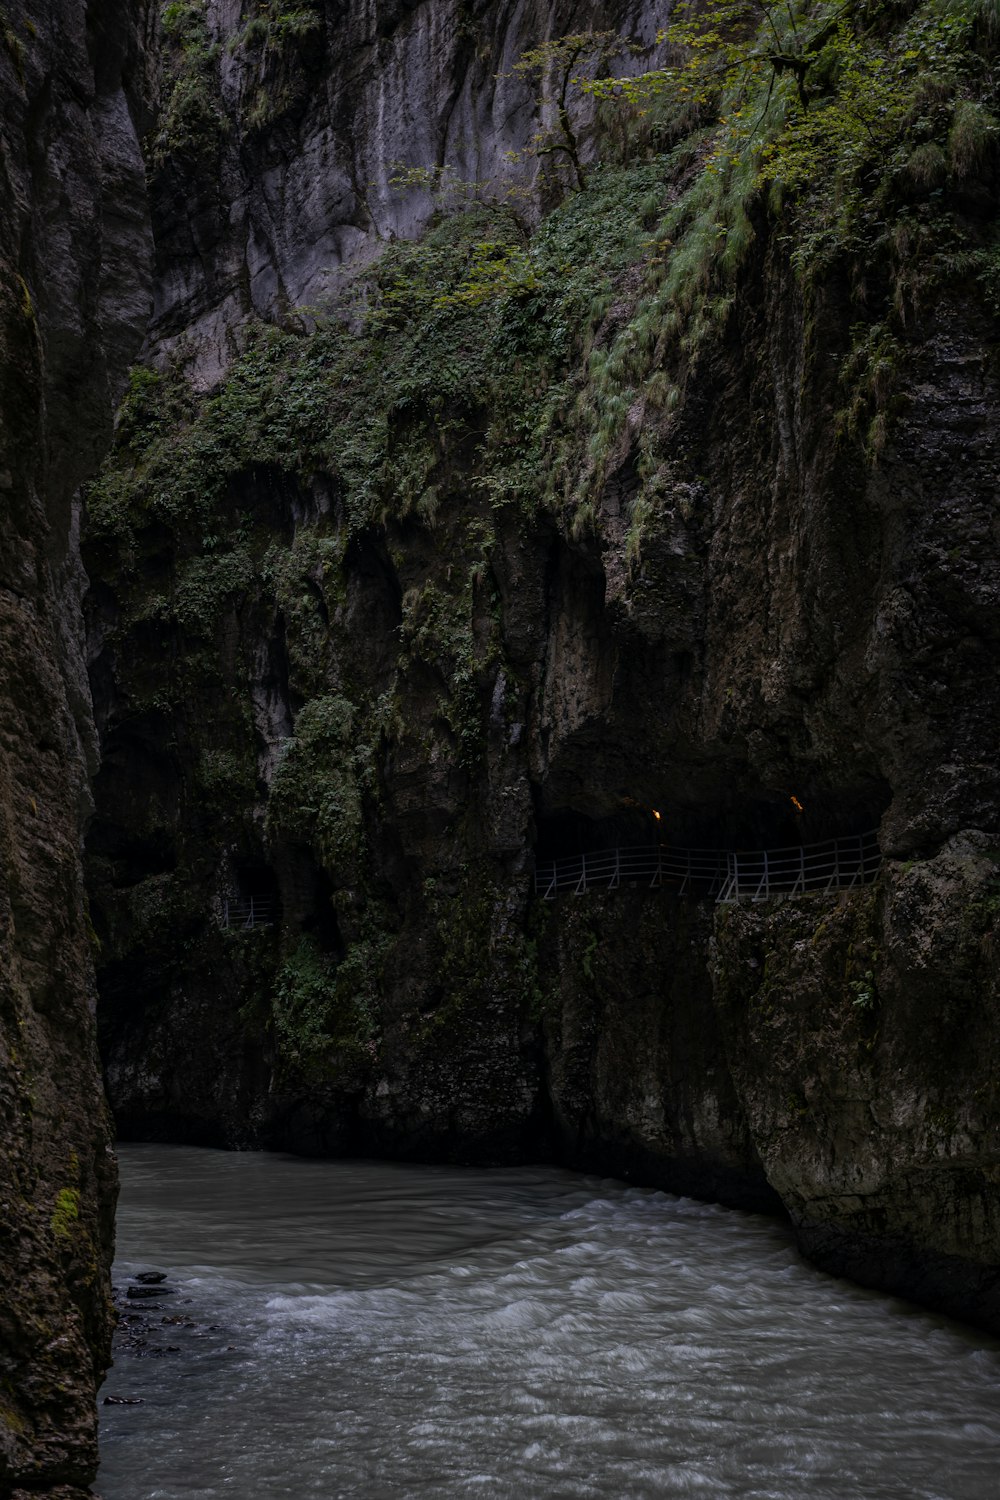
[[74, 298], [306, 153]]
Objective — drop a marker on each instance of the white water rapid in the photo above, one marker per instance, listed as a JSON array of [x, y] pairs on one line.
[[364, 1329]]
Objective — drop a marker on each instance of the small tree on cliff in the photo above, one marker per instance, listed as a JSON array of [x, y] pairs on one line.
[[799, 90], [563, 69]]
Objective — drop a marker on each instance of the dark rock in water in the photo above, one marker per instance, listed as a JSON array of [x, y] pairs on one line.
[[123, 1401], [136, 1292], [151, 1278]]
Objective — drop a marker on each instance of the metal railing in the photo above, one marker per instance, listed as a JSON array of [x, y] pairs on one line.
[[838, 865], [248, 912], [644, 864], [726, 875]]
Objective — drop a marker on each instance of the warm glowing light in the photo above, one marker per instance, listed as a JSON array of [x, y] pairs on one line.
[[656, 815], [797, 805]]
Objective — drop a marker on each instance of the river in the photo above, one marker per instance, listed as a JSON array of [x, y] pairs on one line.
[[377, 1330]]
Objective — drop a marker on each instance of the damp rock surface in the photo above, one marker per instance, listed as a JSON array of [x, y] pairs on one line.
[[75, 294]]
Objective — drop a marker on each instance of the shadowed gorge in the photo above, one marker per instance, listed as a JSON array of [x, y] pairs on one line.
[[516, 466], [573, 518]]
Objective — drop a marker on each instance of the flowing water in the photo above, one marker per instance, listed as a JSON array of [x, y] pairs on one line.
[[363, 1329]]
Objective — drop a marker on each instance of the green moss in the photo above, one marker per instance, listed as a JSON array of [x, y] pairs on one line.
[[12, 1419], [12, 44], [307, 579], [66, 1214], [796, 1105], [981, 914]]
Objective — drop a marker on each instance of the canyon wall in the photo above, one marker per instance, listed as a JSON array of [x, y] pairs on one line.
[[478, 492], [558, 516], [289, 152], [75, 292]]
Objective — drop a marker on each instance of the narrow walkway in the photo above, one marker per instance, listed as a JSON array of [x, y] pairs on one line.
[[725, 876]]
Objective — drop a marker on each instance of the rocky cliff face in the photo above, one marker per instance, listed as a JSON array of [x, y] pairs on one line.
[[293, 144], [414, 562], [663, 500], [74, 296]]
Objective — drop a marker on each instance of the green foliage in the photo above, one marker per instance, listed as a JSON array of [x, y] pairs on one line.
[[191, 122], [315, 797], [459, 925], [863, 989], [465, 325], [589, 952], [868, 379], [437, 630], [451, 194], [484, 368], [562, 66], [207, 586], [268, 44], [972, 138], [842, 127], [323, 1014], [271, 26], [495, 270], [226, 778]]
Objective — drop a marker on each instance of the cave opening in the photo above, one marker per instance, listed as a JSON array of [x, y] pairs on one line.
[[253, 898], [726, 820], [320, 919]]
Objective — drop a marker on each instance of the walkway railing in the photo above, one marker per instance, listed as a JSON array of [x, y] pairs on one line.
[[838, 865], [644, 864], [248, 912], [739, 875]]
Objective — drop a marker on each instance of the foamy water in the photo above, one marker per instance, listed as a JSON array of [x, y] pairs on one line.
[[397, 1331]]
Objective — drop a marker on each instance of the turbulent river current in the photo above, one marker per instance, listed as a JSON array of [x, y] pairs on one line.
[[362, 1329]]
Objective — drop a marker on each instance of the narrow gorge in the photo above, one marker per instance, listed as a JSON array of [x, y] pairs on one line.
[[508, 466]]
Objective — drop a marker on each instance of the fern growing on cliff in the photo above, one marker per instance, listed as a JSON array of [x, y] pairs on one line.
[[191, 123]]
